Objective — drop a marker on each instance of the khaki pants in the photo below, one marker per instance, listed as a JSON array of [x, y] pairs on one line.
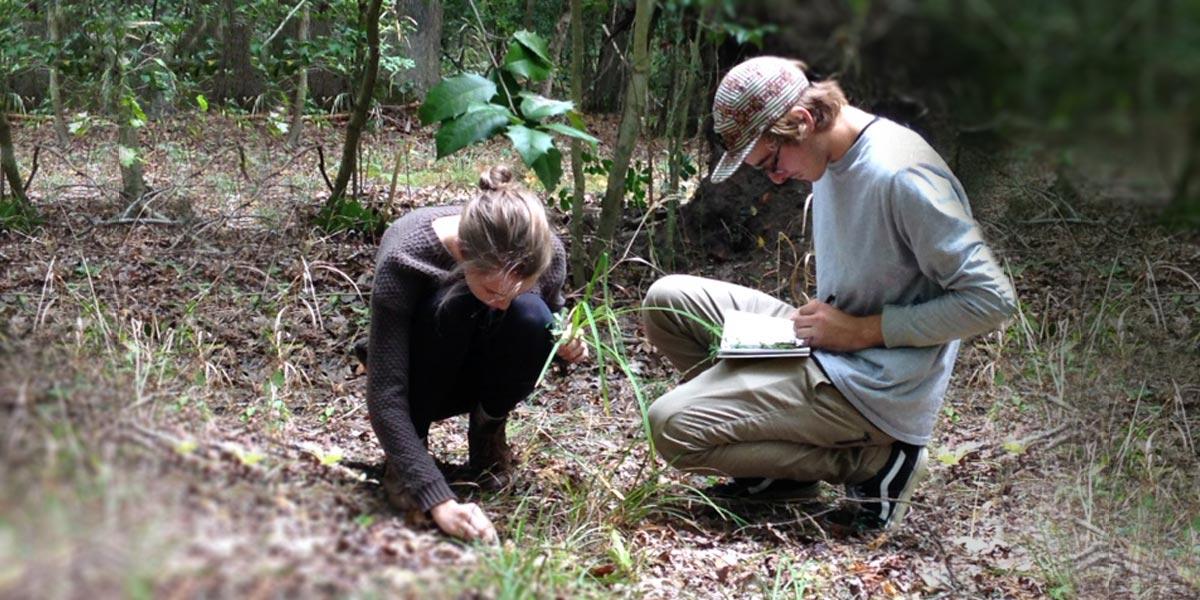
[[777, 417]]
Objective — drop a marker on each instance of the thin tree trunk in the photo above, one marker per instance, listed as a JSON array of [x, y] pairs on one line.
[[8, 162], [53, 14], [1185, 200], [529, 6], [579, 249], [133, 185], [560, 37], [679, 132], [301, 85], [631, 124], [362, 103]]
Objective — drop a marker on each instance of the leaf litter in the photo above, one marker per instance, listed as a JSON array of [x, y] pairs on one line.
[[183, 415]]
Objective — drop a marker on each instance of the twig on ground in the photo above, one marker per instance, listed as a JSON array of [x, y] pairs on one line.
[[953, 579], [32, 170], [321, 164]]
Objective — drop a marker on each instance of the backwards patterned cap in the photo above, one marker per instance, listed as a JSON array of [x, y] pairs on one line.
[[752, 97]]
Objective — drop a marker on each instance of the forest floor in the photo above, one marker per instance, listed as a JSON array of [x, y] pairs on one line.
[[181, 415]]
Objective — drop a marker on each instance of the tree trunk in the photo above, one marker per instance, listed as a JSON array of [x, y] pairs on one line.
[[294, 132], [631, 124], [1185, 200], [579, 249], [362, 103], [133, 185], [60, 121], [8, 162], [560, 37], [679, 129], [610, 74], [424, 46], [529, 6]]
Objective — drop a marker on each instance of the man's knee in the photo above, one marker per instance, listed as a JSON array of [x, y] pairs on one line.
[[670, 430], [667, 291], [665, 295]]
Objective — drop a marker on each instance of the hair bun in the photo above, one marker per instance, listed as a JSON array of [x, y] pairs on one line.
[[496, 179]]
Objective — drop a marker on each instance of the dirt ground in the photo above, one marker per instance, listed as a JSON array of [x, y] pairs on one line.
[[182, 417]]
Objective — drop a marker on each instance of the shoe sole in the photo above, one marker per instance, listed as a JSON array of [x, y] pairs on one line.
[[920, 472], [807, 494]]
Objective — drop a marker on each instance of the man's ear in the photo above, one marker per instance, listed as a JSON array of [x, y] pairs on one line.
[[799, 114]]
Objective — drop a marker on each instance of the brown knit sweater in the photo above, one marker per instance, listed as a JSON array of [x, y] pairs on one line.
[[411, 265]]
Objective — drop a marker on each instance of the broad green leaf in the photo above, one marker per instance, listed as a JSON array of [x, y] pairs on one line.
[[535, 44], [507, 88], [569, 131], [453, 96], [549, 169], [530, 143], [135, 109], [202, 102], [477, 124], [536, 107], [576, 120], [127, 156], [524, 63]]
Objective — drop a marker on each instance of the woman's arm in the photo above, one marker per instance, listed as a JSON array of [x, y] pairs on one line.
[[395, 295]]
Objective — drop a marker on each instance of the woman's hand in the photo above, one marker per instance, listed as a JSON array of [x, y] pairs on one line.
[[465, 521], [824, 326], [574, 350]]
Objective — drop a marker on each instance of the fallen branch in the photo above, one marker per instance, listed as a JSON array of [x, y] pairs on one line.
[[33, 170], [321, 164], [137, 221]]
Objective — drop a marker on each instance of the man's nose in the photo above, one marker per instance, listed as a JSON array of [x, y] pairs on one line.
[[778, 178]]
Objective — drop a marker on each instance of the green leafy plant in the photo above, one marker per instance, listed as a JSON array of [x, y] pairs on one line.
[[471, 108]]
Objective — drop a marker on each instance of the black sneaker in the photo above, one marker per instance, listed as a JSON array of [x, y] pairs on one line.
[[762, 489], [885, 498]]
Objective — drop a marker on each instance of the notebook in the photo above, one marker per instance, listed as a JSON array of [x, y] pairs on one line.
[[750, 335]]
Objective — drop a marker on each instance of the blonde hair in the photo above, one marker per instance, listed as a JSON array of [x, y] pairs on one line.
[[504, 228], [823, 100]]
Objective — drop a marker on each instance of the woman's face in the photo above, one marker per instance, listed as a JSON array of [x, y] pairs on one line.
[[497, 289]]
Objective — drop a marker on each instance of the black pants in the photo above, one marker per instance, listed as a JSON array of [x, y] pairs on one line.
[[464, 354]]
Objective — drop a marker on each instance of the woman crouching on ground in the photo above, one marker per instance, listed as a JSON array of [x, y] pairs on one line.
[[460, 324]]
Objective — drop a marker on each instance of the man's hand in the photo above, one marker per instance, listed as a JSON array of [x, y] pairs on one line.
[[465, 521], [574, 350], [824, 326]]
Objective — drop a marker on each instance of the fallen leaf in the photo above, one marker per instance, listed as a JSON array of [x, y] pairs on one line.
[[603, 570]]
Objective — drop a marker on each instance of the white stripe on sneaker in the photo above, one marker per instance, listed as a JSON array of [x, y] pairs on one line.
[[885, 504], [766, 483]]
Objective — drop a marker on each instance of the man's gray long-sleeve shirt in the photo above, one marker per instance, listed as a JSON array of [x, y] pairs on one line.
[[893, 234]]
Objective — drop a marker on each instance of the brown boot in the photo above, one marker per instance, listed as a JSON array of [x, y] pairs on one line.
[[488, 448]]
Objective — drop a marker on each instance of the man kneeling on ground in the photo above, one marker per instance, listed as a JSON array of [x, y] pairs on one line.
[[905, 275]]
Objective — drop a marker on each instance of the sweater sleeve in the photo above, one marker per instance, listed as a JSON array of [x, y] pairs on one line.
[[550, 285], [395, 295], [930, 211]]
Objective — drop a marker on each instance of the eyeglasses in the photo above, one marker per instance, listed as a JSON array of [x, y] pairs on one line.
[[773, 159]]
